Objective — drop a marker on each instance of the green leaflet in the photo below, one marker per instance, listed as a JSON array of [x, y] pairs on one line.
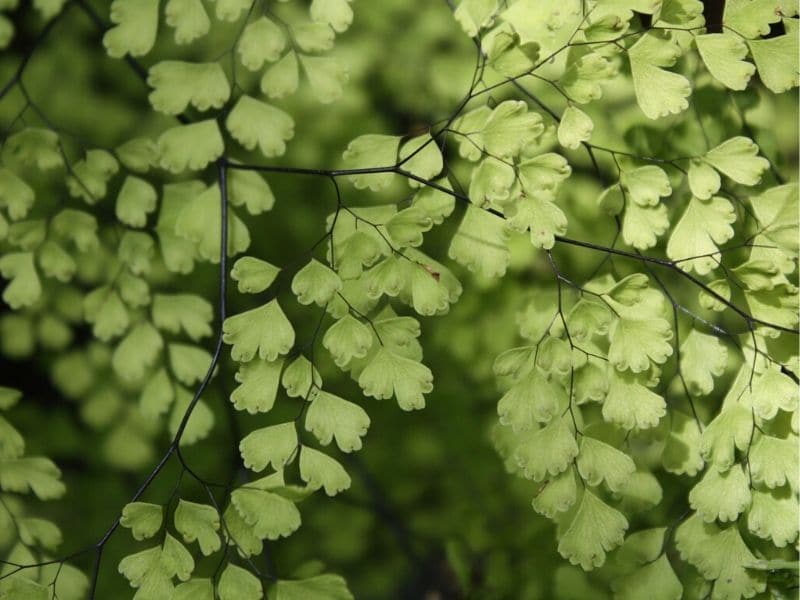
[[595, 529], [262, 41], [738, 159], [330, 417], [269, 514], [319, 470], [253, 275], [190, 146], [188, 18], [723, 55], [258, 385], [200, 523], [136, 199], [264, 330], [237, 583], [143, 519], [254, 123], [575, 128], [720, 555], [389, 374], [178, 84], [315, 284], [135, 28], [275, 445], [659, 92], [330, 587], [368, 151], [336, 13]]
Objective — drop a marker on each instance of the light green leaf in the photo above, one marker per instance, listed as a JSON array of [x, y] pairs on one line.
[[177, 84], [336, 13], [89, 177], [142, 518], [704, 181], [187, 312], [642, 225], [264, 330], [557, 496], [190, 146], [389, 374], [135, 200], [24, 288], [331, 417], [254, 123], [316, 284], [261, 41], [370, 151], [326, 76], [318, 470], [630, 405], [645, 185], [282, 78], [751, 18], [546, 452], [300, 377], [269, 514], [258, 385], [474, 15], [194, 589], [253, 275], [481, 243], [407, 226], [510, 128], [491, 182], [595, 530], [723, 54], [721, 496], [774, 515], [157, 395], [421, 156], [636, 343], [189, 363], [533, 399], [313, 37], [539, 213], [188, 18], [731, 428], [682, 451], [584, 73], [105, 311], [137, 352], [230, 10], [699, 232], [598, 462], [346, 339], [176, 559], [39, 532], [659, 92], [138, 154], [721, 556], [273, 445], [655, 580], [250, 189], [200, 422], [15, 195], [200, 222], [703, 357], [136, 24], [575, 127], [777, 61], [31, 474], [321, 587], [200, 523], [738, 159], [773, 462], [236, 583]]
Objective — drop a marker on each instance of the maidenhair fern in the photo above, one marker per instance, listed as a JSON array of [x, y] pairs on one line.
[[606, 205]]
